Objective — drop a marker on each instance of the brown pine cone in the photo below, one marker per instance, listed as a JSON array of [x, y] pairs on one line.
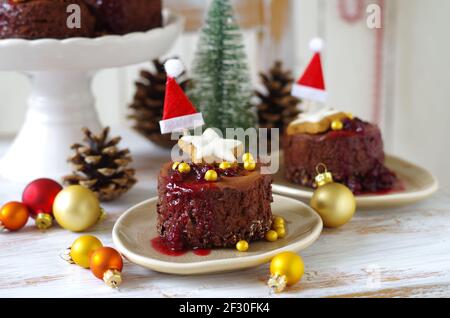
[[101, 166], [277, 107]]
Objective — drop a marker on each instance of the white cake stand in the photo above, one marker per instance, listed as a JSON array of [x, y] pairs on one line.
[[61, 101]]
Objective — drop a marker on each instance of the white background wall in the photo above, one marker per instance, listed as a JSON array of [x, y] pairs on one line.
[[416, 91]]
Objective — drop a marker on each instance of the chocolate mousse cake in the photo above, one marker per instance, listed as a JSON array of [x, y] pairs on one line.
[[351, 149], [35, 19], [195, 213]]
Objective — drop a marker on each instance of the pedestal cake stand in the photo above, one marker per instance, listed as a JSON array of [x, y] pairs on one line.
[[61, 101]]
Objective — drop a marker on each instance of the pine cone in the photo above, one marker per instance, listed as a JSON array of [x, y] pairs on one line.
[[148, 105], [100, 166], [277, 107]]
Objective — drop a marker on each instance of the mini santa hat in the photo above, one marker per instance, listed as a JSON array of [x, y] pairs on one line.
[[311, 85], [179, 113]]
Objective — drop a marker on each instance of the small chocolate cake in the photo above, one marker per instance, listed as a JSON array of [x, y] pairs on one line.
[[35, 19], [354, 155], [195, 213]]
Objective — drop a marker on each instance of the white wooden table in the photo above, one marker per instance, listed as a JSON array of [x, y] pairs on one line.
[[402, 252]]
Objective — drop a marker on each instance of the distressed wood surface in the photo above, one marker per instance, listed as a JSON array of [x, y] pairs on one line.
[[402, 252]]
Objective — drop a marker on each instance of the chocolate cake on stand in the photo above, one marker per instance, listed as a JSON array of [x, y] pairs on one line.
[[61, 101]]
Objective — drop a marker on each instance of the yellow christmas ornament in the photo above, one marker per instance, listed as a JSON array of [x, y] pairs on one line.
[[76, 208], [81, 250], [334, 202], [286, 269]]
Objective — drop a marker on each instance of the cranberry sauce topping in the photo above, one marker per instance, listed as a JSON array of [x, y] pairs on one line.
[[350, 128], [380, 179], [198, 172]]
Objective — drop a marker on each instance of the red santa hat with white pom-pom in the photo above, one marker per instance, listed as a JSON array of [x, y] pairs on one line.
[[311, 85], [179, 113]]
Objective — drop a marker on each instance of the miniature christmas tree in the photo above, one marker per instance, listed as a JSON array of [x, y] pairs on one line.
[[221, 87]]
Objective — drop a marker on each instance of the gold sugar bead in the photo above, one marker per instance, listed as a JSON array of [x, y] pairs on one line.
[[281, 232], [278, 221], [211, 175], [225, 165], [249, 165], [271, 236], [242, 246], [349, 115], [247, 157], [337, 125], [175, 165], [184, 168]]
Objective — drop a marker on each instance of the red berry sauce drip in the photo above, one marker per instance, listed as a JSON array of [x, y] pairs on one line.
[[162, 247]]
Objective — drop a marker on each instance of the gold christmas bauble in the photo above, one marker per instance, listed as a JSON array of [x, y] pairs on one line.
[[335, 203], [76, 208], [82, 249], [286, 269]]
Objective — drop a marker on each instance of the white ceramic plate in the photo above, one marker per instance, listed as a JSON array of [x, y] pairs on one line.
[[135, 229], [417, 183]]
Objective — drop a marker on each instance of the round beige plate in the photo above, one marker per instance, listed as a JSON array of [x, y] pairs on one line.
[[135, 229], [417, 184]]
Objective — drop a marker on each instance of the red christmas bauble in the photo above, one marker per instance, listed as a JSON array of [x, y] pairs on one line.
[[39, 195]]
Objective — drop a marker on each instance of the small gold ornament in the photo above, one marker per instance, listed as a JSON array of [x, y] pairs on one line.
[[349, 115], [76, 208], [184, 167], [82, 249], [175, 165], [278, 221], [337, 125], [44, 221], [249, 165], [334, 202], [242, 246], [271, 236], [286, 269], [281, 232], [225, 165], [211, 175], [247, 157]]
